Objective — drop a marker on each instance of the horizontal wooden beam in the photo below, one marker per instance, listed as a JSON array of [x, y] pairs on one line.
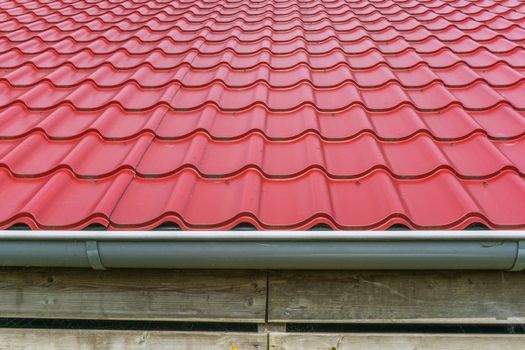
[[287, 341], [168, 295], [396, 296], [54, 339], [467, 297]]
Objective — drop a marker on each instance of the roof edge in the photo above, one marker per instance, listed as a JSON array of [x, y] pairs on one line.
[[244, 235]]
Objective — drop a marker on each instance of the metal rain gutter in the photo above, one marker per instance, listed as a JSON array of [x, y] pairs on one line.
[[491, 250]]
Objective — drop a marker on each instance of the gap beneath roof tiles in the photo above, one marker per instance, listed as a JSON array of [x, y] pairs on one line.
[[171, 226], [19, 227], [244, 226]]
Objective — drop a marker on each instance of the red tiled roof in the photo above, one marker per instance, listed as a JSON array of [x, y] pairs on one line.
[[283, 114]]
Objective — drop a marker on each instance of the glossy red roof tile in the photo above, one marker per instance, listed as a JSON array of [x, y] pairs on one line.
[[357, 114], [375, 201], [59, 200]]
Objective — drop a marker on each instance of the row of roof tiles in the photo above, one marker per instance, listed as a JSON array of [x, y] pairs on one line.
[[104, 76], [113, 123], [404, 23], [90, 156], [60, 200], [86, 59], [372, 11], [146, 35], [171, 46], [130, 96]]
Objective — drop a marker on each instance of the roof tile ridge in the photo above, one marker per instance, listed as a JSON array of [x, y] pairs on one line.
[[140, 158]]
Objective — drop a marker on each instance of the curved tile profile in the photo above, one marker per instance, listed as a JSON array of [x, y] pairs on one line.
[[190, 201], [390, 96], [90, 156], [355, 114], [414, 158], [182, 35], [171, 46], [369, 202], [122, 60], [87, 157], [147, 77], [59, 200], [113, 123]]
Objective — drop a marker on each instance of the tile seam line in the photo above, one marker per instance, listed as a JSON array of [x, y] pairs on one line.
[[82, 25], [256, 41], [396, 188], [317, 3], [331, 51], [168, 108], [256, 82], [199, 11], [259, 65], [144, 24], [265, 106], [216, 7], [295, 137], [287, 14], [217, 4], [285, 21], [261, 29], [134, 170], [270, 50], [364, 133], [246, 12], [276, 177]]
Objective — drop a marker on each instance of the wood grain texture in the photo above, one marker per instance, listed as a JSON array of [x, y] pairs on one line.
[[53, 339], [397, 296], [134, 294], [395, 342]]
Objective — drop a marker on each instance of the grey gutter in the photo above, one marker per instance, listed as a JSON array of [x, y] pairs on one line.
[[495, 250]]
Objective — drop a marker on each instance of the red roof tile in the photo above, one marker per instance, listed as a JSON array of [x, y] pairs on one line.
[[357, 114]]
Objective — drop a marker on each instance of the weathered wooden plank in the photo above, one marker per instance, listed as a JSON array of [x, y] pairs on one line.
[[397, 296], [53, 339], [289, 341], [188, 295]]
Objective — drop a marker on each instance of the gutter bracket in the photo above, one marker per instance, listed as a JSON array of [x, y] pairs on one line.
[[519, 263], [93, 256]]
